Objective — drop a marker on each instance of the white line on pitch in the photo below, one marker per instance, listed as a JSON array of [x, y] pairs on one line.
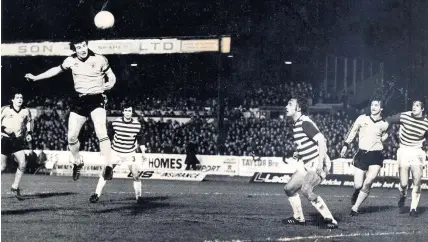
[[347, 235], [208, 193], [251, 194], [316, 237]]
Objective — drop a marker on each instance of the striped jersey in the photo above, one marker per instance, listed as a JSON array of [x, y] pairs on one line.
[[125, 135], [304, 130], [412, 131], [15, 121], [88, 74], [369, 131]]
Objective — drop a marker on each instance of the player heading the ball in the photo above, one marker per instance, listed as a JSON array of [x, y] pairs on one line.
[[92, 76]]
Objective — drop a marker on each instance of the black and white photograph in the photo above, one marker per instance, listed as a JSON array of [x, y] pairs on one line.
[[214, 121]]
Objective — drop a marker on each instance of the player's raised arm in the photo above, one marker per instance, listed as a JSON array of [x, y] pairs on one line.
[[351, 135], [394, 119], [45, 75], [51, 72]]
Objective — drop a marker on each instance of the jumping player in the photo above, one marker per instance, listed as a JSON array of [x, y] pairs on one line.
[[92, 76], [312, 164], [371, 129], [410, 156], [126, 134], [16, 125]]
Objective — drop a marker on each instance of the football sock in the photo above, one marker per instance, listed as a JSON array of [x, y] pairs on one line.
[[100, 185], [137, 189], [296, 205]]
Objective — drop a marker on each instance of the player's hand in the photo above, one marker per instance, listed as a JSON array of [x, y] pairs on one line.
[[343, 151], [384, 137], [320, 166], [7, 132], [30, 77], [327, 167], [296, 155], [321, 173]]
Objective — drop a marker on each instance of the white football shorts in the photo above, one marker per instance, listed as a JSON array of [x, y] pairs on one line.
[[410, 156], [127, 159]]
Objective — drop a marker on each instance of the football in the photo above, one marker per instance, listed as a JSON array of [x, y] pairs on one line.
[[104, 20]]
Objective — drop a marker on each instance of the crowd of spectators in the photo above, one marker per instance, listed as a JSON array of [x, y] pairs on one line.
[[243, 136], [276, 95], [178, 106]]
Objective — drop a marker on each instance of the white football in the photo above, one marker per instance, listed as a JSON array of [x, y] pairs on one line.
[[104, 20]]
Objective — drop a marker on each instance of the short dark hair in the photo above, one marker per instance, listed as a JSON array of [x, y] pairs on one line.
[[303, 103], [377, 100], [127, 104], [77, 40], [421, 101], [15, 92]]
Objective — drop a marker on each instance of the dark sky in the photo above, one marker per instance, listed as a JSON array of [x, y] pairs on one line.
[[264, 33]]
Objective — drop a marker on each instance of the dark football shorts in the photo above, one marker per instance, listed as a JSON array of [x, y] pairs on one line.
[[11, 145], [363, 159], [84, 105]]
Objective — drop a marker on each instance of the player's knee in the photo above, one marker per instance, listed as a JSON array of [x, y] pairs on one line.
[[103, 139], [101, 132], [368, 182], [135, 176], [358, 186], [403, 184], [22, 165], [416, 189], [289, 191], [307, 191], [72, 139], [366, 187], [310, 195], [417, 182]]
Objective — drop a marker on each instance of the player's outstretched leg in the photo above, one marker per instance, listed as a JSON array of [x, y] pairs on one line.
[[99, 118], [367, 185], [312, 179], [403, 172], [75, 123], [358, 183], [22, 164], [416, 191], [291, 189]]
